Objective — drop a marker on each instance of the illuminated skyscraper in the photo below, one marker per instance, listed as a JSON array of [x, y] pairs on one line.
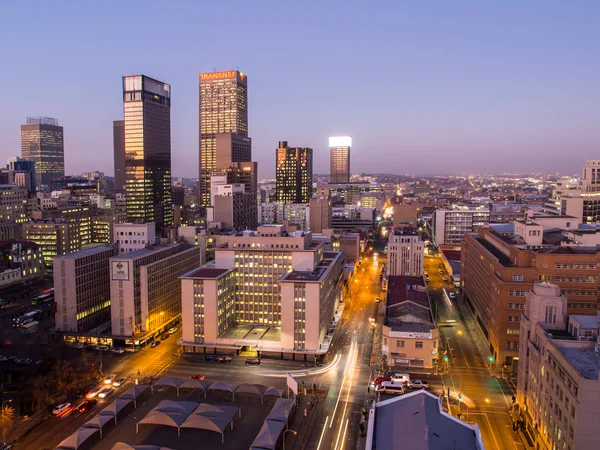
[[294, 173], [119, 152], [223, 105], [339, 148], [42, 142], [147, 108]]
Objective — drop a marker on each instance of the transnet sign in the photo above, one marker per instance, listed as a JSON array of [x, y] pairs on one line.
[[220, 75]]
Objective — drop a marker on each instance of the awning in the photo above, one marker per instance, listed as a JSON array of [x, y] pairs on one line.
[[76, 439], [268, 435]]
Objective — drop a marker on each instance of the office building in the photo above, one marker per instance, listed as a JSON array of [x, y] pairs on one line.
[[497, 271], [405, 253], [79, 218], [133, 236], [234, 207], [42, 142], [82, 289], [147, 112], [24, 172], [103, 226], [20, 261], [349, 193], [406, 215], [339, 149], [351, 218], [558, 381], [237, 172], [267, 292], [410, 334], [13, 204], [417, 420], [53, 238], [294, 214], [223, 123], [146, 291], [320, 214], [119, 154], [450, 225], [294, 173], [349, 243]]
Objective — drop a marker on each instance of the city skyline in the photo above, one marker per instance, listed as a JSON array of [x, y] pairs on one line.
[[475, 99]]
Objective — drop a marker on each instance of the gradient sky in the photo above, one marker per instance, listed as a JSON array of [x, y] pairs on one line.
[[444, 88]]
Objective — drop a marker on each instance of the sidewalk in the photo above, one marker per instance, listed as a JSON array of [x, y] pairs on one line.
[[22, 427]]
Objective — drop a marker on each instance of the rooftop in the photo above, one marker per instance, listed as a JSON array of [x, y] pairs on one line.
[[153, 249], [402, 289], [87, 251], [585, 321], [585, 360], [568, 250], [502, 258], [206, 273]]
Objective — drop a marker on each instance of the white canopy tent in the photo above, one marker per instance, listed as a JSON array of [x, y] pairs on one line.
[[224, 386], [268, 435], [253, 389], [212, 418], [169, 413], [169, 381], [192, 383], [97, 422], [133, 393], [281, 410], [114, 408], [74, 441], [273, 392], [123, 446]]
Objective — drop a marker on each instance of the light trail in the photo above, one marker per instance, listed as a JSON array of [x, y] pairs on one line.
[[350, 356], [322, 433]]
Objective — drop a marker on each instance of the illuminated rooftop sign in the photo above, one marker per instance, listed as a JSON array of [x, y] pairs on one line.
[[340, 141]]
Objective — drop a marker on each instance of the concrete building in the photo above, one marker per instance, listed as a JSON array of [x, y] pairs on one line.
[[82, 289], [417, 421], [349, 243], [496, 274], [407, 215], [133, 236], [558, 386], [233, 207], [20, 262], [320, 214], [339, 149], [24, 173], [410, 334], [351, 218], [13, 204], [267, 292], [405, 253], [145, 290], [450, 225], [54, 238], [103, 226], [119, 154]]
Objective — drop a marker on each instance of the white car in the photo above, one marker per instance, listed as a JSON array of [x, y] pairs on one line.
[[105, 392], [110, 378], [452, 295], [60, 408], [173, 330], [119, 381], [118, 350], [401, 378], [78, 345]]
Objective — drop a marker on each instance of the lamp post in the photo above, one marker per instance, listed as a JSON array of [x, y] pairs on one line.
[[295, 432], [4, 431]]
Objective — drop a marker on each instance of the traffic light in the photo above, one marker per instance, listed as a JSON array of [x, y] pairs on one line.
[[446, 358], [490, 358]]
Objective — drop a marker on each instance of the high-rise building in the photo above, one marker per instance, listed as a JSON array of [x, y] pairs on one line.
[[451, 225], [405, 253], [147, 107], [234, 207], [320, 214], [339, 149], [119, 153], [24, 170], [223, 116], [294, 173], [42, 142]]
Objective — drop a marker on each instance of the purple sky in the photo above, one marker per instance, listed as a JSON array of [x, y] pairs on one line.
[[454, 88]]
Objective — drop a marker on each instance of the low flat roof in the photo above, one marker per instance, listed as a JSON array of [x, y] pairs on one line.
[[206, 272], [586, 321], [86, 252], [585, 360]]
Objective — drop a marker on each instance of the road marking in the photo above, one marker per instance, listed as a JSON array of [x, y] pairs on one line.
[[343, 382], [323, 432], [490, 425], [344, 434], [501, 390]]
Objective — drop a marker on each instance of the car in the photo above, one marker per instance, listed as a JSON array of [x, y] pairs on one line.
[[253, 361], [87, 405], [210, 358], [173, 330], [225, 359], [110, 378], [197, 376], [452, 295], [391, 388], [93, 392], [372, 319], [155, 344], [24, 361], [377, 299], [418, 384], [103, 348], [58, 409], [165, 336], [78, 345], [401, 378], [119, 381], [380, 380], [105, 392], [118, 350]]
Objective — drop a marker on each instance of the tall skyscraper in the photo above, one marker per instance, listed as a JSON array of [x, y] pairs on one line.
[[339, 149], [223, 115], [119, 152], [42, 142], [147, 111], [294, 173]]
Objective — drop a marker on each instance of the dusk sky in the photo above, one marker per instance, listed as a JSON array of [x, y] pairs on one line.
[[456, 87]]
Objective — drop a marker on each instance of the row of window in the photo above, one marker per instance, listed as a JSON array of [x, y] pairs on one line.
[[575, 266]]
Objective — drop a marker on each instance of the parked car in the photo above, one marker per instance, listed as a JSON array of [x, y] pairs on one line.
[[197, 376], [119, 381], [418, 384], [78, 345], [210, 358], [225, 359], [87, 405], [105, 392], [118, 350], [110, 378], [401, 378], [155, 344], [380, 380], [452, 295], [377, 299], [173, 330], [253, 361], [165, 336], [103, 348], [389, 387], [58, 409], [93, 392]]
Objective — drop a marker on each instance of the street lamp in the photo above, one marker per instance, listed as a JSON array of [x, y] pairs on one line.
[[295, 433], [4, 431]]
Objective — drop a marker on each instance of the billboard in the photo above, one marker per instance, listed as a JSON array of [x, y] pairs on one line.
[[120, 270], [292, 383], [229, 74]]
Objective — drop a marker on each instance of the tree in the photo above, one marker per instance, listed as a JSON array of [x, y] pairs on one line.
[[42, 393], [6, 420]]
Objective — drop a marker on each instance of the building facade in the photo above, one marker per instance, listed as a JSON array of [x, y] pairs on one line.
[[223, 123], [20, 262], [42, 141], [130, 237], [405, 253], [24, 170], [294, 173], [339, 150], [82, 289], [119, 154], [234, 207], [147, 112], [320, 214], [451, 225], [13, 204]]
